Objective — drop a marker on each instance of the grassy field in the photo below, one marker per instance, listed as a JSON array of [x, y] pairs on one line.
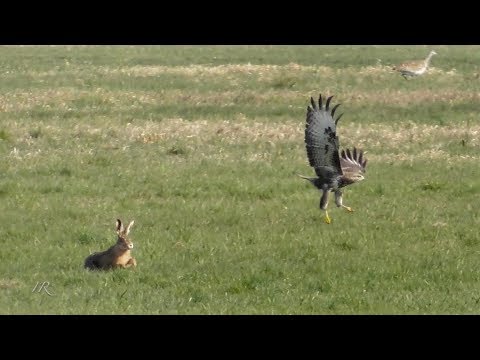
[[201, 147]]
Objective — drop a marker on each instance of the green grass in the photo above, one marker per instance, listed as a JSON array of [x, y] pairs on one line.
[[201, 147]]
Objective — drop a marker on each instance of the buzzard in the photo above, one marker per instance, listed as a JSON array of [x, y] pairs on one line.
[[333, 171]]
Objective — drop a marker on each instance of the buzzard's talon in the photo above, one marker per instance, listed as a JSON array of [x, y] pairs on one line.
[[327, 218]]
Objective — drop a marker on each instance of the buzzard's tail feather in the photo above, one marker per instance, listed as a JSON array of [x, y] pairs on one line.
[[327, 105], [311, 179], [334, 109], [338, 118], [306, 177]]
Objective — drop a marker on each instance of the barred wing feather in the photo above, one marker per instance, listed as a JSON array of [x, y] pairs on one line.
[[353, 162]]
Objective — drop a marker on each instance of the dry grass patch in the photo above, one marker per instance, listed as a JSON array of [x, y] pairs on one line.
[[255, 69], [230, 132], [204, 70], [407, 141], [9, 283], [299, 99], [387, 142], [425, 155], [242, 130], [59, 98], [25, 100], [412, 97], [294, 98], [62, 98]]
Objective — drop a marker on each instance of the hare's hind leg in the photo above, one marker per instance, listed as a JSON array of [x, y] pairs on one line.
[[132, 262], [92, 262]]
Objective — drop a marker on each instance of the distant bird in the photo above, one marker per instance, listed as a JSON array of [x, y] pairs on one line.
[[414, 68], [333, 171]]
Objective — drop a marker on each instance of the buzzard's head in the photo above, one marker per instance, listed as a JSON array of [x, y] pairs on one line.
[[356, 177]]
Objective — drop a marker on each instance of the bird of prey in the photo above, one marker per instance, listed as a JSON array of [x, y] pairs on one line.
[[333, 171], [414, 68]]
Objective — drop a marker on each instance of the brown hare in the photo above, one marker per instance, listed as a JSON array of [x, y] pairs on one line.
[[117, 255]]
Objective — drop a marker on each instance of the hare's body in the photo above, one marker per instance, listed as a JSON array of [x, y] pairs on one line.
[[118, 255], [111, 258]]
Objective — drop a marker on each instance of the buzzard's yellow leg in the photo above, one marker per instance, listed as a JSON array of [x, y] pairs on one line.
[[327, 218], [339, 201], [324, 204]]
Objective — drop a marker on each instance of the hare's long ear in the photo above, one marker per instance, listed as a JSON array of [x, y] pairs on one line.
[[129, 226], [119, 226]]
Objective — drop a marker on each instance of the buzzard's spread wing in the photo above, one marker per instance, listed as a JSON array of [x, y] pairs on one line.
[[321, 139], [353, 162]]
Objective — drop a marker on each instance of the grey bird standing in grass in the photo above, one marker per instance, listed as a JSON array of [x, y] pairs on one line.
[[333, 171]]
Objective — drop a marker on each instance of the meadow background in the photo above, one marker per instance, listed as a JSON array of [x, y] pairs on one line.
[[201, 145]]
